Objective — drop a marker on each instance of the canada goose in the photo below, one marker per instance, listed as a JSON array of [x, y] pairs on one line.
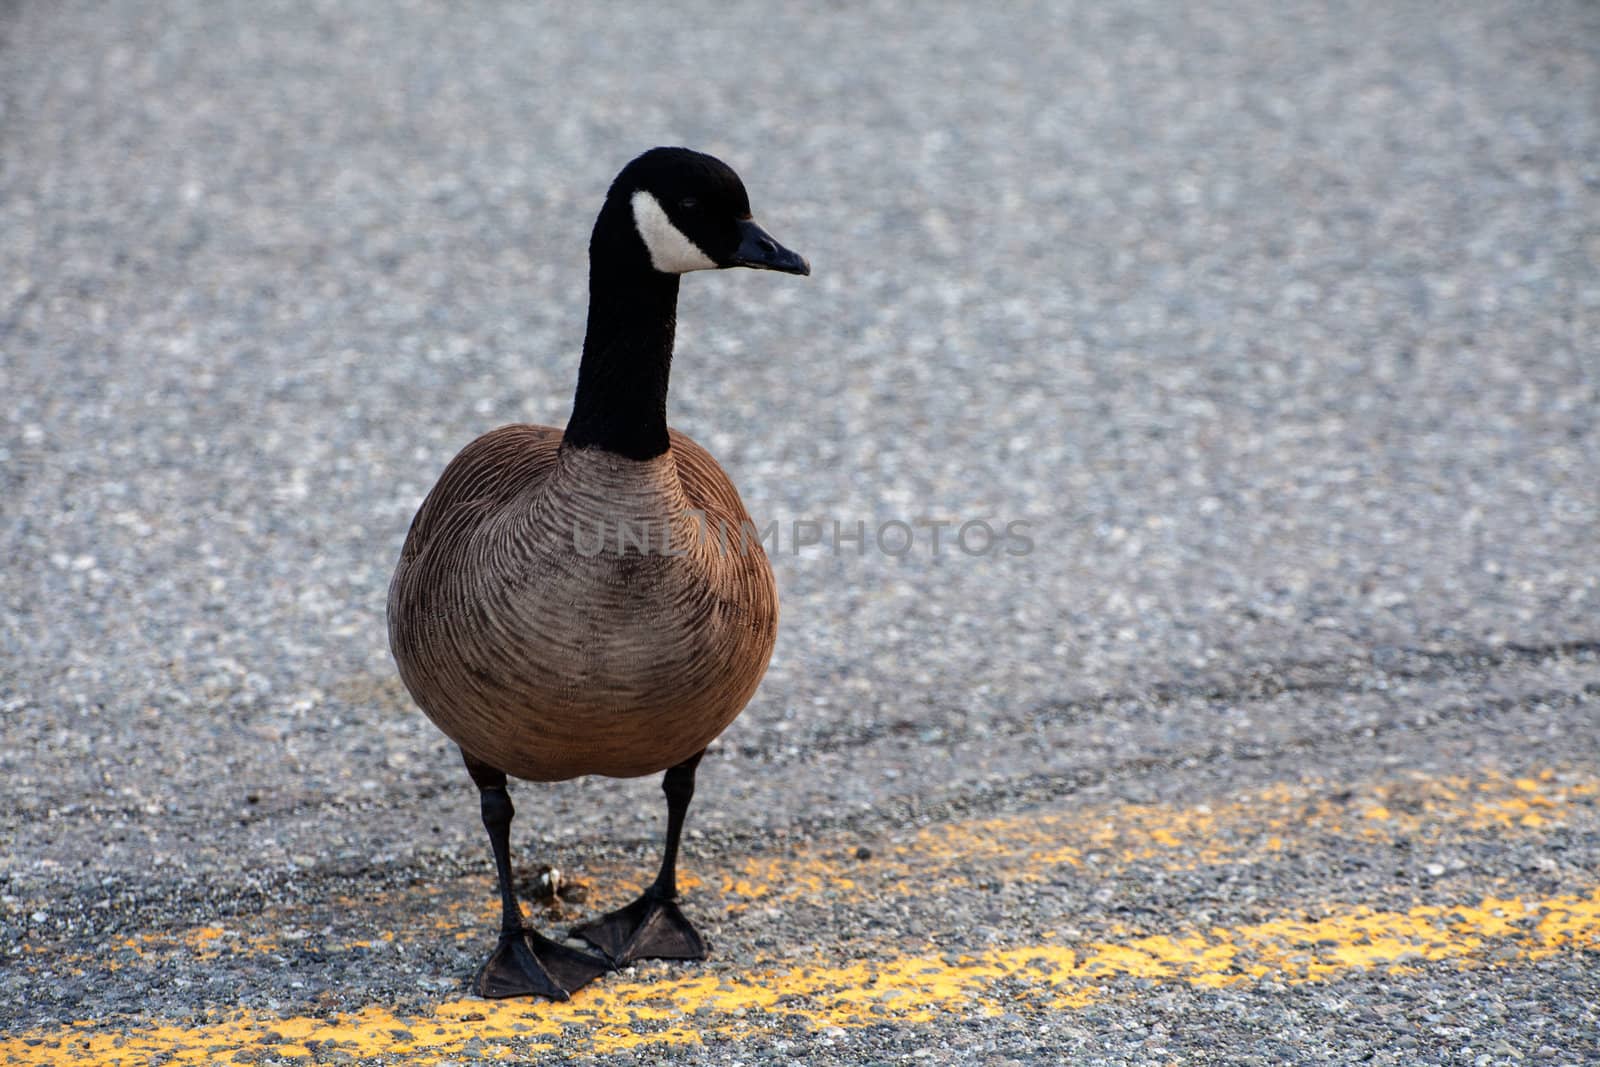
[[559, 609]]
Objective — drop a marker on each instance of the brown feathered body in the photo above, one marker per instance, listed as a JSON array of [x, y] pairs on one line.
[[561, 611]]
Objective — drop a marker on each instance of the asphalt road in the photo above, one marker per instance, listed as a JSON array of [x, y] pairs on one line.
[[1273, 323]]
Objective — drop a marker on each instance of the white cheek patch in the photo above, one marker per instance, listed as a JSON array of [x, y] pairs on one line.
[[670, 251]]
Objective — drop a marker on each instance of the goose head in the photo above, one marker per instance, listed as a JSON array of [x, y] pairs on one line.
[[675, 210], [669, 212]]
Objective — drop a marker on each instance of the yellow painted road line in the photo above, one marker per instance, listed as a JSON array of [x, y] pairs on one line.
[[1035, 846], [1038, 846], [620, 1013]]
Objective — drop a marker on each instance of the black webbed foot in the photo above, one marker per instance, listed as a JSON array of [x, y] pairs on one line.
[[526, 964], [651, 928]]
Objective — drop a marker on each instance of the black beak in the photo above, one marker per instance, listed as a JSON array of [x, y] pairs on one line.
[[757, 249]]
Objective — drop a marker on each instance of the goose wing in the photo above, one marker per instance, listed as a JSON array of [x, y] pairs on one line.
[[706, 484], [484, 476]]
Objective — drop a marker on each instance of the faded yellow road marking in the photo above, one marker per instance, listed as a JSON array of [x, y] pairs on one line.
[[1036, 846], [1031, 847], [618, 1014]]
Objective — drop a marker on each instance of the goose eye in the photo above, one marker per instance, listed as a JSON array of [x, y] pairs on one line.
[[689, 203]]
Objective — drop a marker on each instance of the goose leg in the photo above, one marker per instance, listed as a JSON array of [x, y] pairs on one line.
[[652, 927], [524, 963]]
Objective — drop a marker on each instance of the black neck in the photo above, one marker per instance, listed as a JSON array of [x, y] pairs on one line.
[[621, 404]]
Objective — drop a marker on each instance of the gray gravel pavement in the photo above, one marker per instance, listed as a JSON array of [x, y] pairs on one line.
[[1274, 323]]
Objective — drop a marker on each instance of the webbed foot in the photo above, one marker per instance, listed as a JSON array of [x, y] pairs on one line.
[[526, 964], [651, 928]]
